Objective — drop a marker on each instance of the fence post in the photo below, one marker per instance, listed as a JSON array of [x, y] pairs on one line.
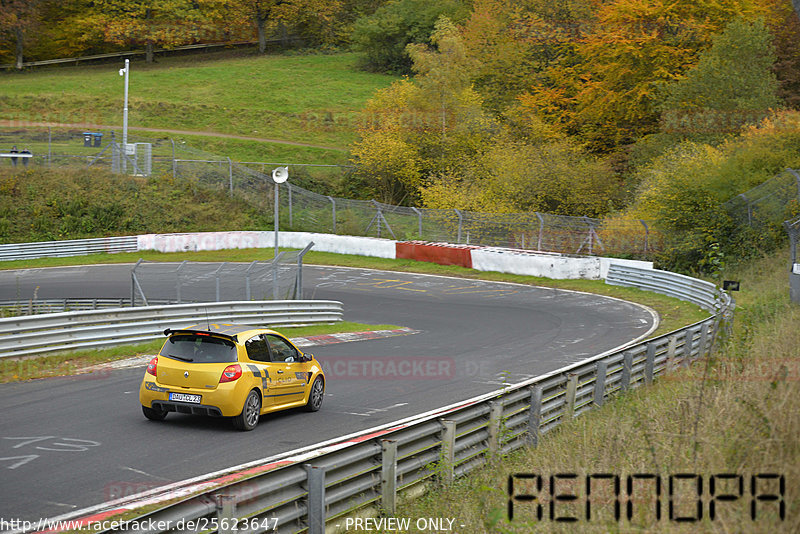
[[316, 499], [535, 415], [572, 389], [230, 176], [226, 512], [216, 279], [495, 418], [388, 476], [460, 225], [178, 276], [174, 169], [447, 474], [541, 230], [600, 382], [333, 215], [627, 368], [419, 221], [649, 363], [289, 189], [646, 234], [247, 280]]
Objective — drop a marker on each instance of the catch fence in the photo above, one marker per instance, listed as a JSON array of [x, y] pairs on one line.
[[280, 278]]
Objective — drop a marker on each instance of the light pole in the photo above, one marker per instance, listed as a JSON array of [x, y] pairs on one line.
[[125, 72], [279, 175]]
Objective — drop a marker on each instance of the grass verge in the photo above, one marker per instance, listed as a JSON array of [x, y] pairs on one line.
[[737, 413], [73, 362]]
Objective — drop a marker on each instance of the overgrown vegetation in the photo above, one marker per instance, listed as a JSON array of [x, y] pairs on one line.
[[54, 204], [737, 413]]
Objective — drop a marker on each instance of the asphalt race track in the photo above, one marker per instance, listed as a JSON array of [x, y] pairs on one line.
[[68, 443]]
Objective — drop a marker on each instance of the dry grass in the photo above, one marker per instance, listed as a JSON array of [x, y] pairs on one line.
[[737, 413]]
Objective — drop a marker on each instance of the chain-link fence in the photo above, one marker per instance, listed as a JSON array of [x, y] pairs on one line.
[[304, 210], [278, 279], [768, 203]]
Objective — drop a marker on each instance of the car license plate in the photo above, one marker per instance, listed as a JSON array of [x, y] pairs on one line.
[[185, 397]]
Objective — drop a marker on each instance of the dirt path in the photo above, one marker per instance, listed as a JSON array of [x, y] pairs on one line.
[[29, 124]]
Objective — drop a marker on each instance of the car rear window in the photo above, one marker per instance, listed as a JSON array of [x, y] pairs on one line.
[[199, 349]]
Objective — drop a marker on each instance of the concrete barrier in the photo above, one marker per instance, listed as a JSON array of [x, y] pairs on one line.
[[441, 253], [340, 244]]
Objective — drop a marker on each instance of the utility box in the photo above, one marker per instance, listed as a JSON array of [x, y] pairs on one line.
[[92, 139], [793, 229]]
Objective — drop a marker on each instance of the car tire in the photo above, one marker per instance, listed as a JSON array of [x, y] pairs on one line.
[[316, 395], [153, 414], [248, 419]]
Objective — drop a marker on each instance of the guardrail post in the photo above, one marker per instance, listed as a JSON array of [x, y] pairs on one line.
[[315, 504], [627, 367], [535, 415], [600, 383], [495, 418], [672, 347], [649, 363], [389, 476], [447, 474], [572, 389], [226, 512], [703, 347]]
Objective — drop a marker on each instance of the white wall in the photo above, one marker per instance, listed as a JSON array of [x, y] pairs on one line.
[[548, 265]]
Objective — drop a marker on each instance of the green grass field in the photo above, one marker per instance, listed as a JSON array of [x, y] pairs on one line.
[[314, 99]]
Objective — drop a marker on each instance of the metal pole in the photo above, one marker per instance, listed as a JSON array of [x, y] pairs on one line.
[[230, 176], [289, 189], [125, 72], [419, 221], [49, 145], [276, 219], [333, 203], [174, 169]]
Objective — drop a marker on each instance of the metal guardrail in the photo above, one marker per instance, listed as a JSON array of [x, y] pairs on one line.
[[324, 483], [72, 247], [39, 306], [704, 294], [40, 334]]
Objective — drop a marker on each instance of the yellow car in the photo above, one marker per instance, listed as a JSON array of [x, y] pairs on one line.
[[230, 370]]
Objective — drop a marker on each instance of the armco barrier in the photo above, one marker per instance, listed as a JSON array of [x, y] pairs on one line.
[[74, 247], [39, 334], [318, 486]]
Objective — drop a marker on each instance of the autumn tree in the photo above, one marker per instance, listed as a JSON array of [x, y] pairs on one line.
[[607, 92], [733, 84], [152, 22], [18, 22], [381, 37]]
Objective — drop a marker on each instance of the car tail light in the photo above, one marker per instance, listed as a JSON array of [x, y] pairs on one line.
[[231, 373], [152, 366]]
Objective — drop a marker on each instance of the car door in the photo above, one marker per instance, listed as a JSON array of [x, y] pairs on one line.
[[290, 380], [260, 367]]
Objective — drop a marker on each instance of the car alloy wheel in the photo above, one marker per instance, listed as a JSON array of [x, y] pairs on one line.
[[316, 395], [251, 410]]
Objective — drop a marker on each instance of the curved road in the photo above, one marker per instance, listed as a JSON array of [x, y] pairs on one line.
[[68, 443]]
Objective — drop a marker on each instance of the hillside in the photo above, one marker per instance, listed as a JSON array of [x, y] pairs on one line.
[[45, 204]]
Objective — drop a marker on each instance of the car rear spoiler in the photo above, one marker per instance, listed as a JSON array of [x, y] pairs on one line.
[[169, 332]]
